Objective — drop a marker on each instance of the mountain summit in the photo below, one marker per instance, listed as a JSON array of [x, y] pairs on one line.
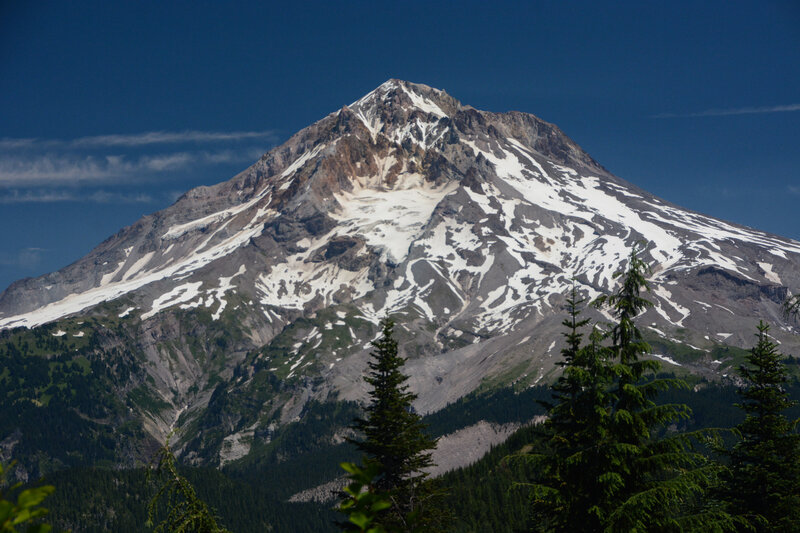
[[468, 226], [400, 141]]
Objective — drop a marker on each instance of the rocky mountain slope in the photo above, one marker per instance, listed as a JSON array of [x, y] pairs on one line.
[[241, 305]]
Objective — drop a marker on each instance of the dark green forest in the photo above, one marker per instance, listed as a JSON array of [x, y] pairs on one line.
[[101, 499]]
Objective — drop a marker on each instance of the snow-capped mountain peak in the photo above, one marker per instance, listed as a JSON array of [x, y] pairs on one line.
[[466, 226], [408, 202], [395, 93]]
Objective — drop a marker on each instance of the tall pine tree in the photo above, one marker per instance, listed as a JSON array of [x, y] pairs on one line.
[[568, 487], [394, 439], [659, 481], [606, 460], [763, 480]]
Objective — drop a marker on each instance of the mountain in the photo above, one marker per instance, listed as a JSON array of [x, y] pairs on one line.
[[247, 307]]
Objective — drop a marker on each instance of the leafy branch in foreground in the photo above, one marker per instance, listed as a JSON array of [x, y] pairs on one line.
[[364, 506], [186, 513], [26, 509]]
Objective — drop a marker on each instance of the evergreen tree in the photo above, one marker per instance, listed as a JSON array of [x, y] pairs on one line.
[[605, 458], [658, 481], [394, 439], [763, 481], [185, 512], [569, 487]]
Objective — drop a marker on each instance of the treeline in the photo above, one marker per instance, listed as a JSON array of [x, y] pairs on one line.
[[65, 403], [502, 406], [479, 495], [95, 500]]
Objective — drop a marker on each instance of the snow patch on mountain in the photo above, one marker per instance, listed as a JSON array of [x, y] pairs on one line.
[[299, 279], [424, 104], [106, 279], [769, 273], [389, 219], [508, 239], [180, 294], [667, 359], [191, 262], [225, 284], [138, 266]]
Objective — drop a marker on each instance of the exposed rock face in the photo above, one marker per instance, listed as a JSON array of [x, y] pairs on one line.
[[458, 449], [468, 445], [467, 225]]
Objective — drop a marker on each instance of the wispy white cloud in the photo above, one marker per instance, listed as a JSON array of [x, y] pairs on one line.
[[7, 143], [25, 258], [171, 137], [139, 139], [51, 196], [36, 196], [735, 111], [793, 189], [71, 170], [75, 170], [50, 168], [105, 197]]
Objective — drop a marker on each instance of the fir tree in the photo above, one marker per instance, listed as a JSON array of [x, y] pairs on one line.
[[657, 481], [394, 439], [185, 512], [605, 459], [763, 481], [568, 491]]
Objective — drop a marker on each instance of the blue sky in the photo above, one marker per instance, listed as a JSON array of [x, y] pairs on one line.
[[109, 110]]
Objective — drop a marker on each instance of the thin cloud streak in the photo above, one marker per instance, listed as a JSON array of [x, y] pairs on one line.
[[169, 137], [104, 197], [7, 143], [26, 258], [74, 170], [736, 111], [30, 197], [97, 197], [138, 140]]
